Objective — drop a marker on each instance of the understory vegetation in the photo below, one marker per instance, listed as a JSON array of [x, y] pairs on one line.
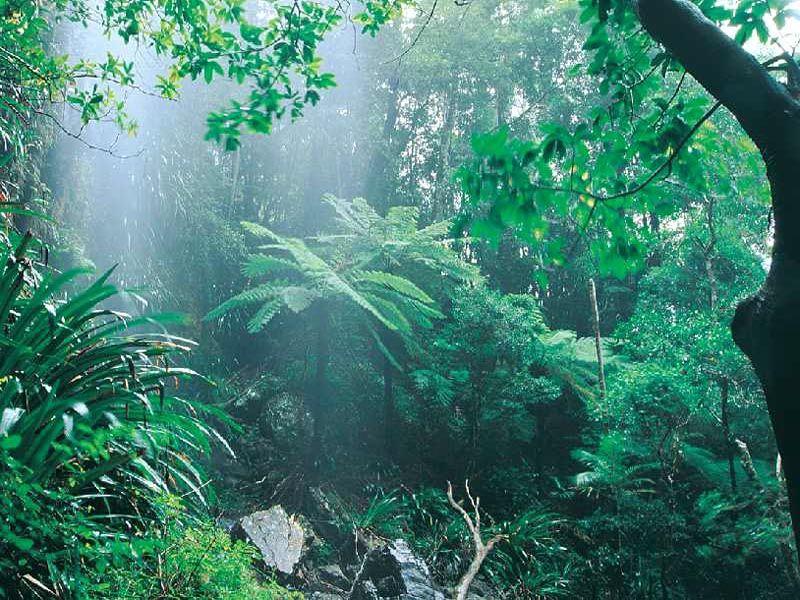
[[459, 274]]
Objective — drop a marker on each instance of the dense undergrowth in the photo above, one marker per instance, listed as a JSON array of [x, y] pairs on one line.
[[95, 432]]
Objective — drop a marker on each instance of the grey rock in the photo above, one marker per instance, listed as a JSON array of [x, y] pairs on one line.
[[479, 589], [325, 596], [278, 536], [369, 591], [393, 571], [333, 575]]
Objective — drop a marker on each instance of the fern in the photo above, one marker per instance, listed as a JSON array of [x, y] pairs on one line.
[[402, 220], [260, 293], [262, 264], [264, 315], [401, 285], [391, 313], [351, 268], [355, 217], [297, 298]]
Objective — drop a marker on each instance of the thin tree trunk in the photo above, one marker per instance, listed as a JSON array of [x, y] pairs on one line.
[[481, 548], [439, 211], [767, 326], [376, 188], [724, 388], [598, 342]]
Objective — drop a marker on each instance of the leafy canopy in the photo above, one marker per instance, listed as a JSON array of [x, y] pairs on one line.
[[648, 142], [272, 48]]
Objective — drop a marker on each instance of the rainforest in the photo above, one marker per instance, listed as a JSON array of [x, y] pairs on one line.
[[399, 299]]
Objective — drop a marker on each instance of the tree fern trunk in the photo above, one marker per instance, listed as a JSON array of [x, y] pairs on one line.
[[316, 395], [389, 417]]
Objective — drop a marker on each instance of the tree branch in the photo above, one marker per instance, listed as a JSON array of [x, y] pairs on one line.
[[731, 74]]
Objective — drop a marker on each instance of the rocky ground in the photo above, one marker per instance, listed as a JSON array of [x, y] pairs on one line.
[[363, 566]]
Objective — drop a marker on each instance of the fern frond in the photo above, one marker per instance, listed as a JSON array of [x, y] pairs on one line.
[[402, 220], [262, 264], [437, 230], [259, 230], [390, 312], [249, 296], [297, 298], [264, 315], [401, 285], [383, 349], [337, 285], [355, 216]]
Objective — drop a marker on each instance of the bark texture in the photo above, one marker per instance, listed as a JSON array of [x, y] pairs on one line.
[[767, 326]]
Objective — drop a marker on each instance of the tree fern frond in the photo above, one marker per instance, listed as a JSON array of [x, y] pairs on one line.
[[259, 230], [390, 312], [298, 298], [383, 349], [401, 285], [264, 315], [337, 285], [437, 230], [355, 216], [402, 220], [259, 293], [263, 264]]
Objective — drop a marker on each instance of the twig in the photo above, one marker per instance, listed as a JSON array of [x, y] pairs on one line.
[[79, 137], [416, 38]]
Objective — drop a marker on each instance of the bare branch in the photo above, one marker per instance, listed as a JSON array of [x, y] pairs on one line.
[[481, 549]]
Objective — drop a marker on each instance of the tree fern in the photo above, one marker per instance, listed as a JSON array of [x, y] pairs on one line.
[[392, 300], [262, 264]]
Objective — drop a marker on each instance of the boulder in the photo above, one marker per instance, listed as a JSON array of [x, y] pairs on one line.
[[279, 537], [393, 571], [333, 575], [479, 589]]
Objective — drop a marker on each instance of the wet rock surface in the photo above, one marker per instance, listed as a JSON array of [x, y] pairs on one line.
[[393, 571]]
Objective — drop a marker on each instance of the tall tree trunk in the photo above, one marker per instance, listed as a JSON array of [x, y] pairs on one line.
[[376, 189], [439, 210], [767, 326]]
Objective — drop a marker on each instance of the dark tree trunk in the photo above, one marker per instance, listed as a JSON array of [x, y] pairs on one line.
[[389, 419], [316, 394], [767, 326]]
